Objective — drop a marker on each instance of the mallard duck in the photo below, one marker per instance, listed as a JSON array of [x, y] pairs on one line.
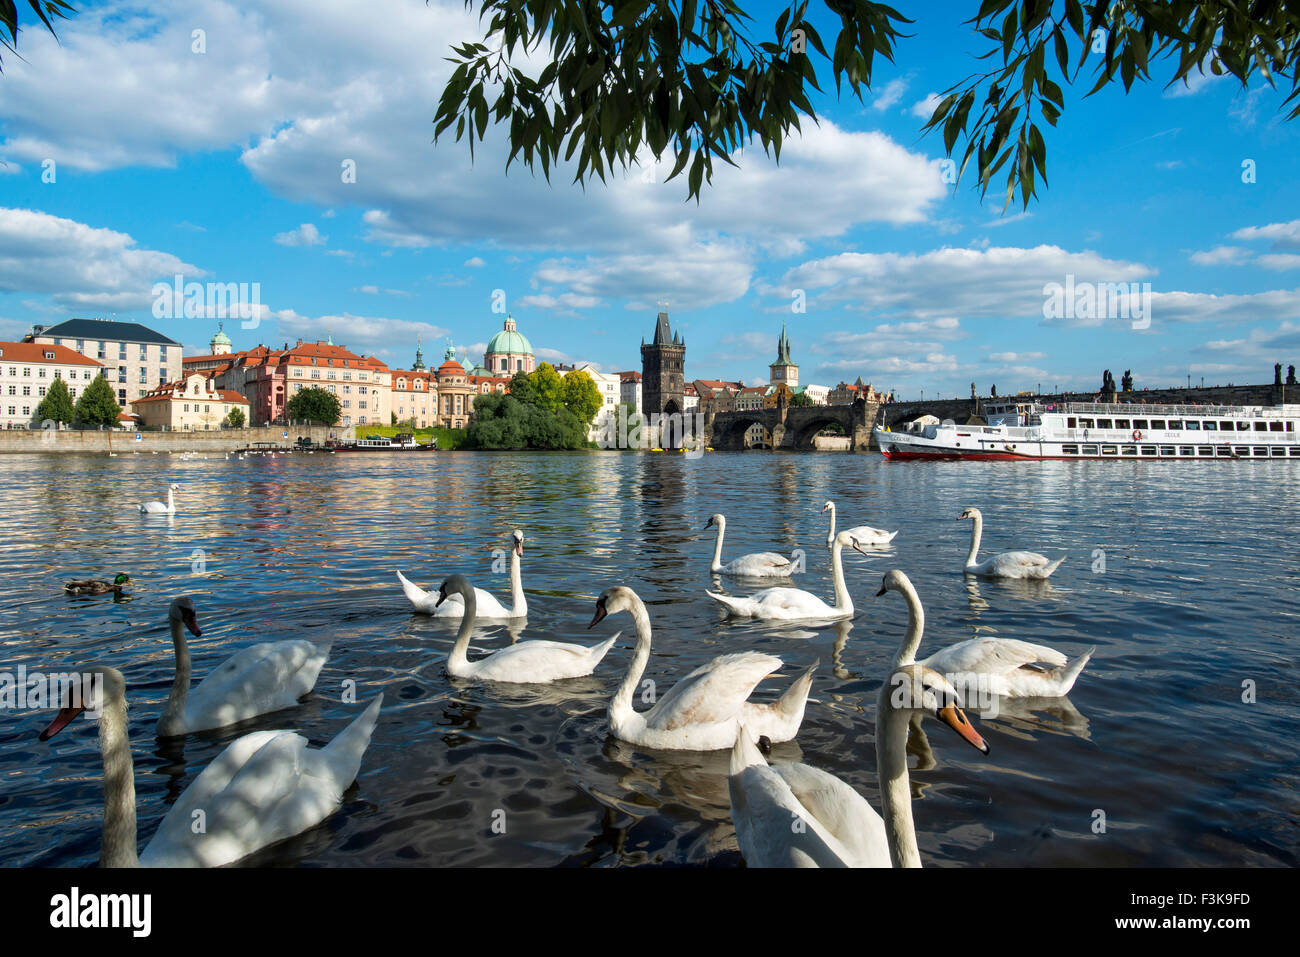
[[97, 586]]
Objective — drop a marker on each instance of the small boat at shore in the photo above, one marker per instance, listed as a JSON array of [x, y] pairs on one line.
[[1106, 430]]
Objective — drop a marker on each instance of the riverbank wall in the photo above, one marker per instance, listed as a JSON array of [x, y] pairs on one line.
[[23, 441]]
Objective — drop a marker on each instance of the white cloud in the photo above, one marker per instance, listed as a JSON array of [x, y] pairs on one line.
[[1283, 235], [393, 340], [1221, 256], [889, 94], [1279, 261], [305, 235], [475, 262], [79, 265], [1014, 357], [924, 109]]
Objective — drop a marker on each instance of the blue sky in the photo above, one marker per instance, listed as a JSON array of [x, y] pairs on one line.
[[225, 166]]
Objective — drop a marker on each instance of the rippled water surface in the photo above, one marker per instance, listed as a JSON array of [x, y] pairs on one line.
[[1197, 596]]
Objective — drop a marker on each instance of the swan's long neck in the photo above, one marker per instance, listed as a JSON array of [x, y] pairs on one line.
[[830, 536], [171, 500], [717, 547], [620, 706], [895, 786], [842, 600], [976, 533], [459, 656], [517, 585], [175, 710], [915, 626], [119, 847]]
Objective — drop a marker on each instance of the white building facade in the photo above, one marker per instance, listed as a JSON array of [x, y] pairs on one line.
[[28, 369], [135, 358]]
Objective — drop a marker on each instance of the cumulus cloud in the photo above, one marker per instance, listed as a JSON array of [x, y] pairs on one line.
[[889, 94], [924, 109], [1221, 256], [81, 266], [1283, 235], [305, 235]]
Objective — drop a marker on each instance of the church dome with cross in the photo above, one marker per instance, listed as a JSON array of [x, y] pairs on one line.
[[509, 351]]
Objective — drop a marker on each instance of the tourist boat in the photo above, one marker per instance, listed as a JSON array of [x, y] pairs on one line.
[[402, 442], [1104, 430]]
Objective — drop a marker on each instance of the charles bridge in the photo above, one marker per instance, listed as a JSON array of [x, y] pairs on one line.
[[796, 427]]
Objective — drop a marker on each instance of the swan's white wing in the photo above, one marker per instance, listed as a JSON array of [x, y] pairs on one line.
[[842, 811], [175, 843], [991, 656], [539, 661], [265, 787], [1016, 563], [711, 693], [422, 600], [261, 678], [868, 535], [760, 563], [453, 606]]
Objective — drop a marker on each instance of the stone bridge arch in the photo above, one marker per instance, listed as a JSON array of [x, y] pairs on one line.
[[729, 428]]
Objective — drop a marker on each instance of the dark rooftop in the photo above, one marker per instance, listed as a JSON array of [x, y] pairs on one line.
[[103, 329]]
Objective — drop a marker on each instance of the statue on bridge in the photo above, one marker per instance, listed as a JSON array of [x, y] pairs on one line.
[[1290, 375], [1127, 381], [1107, 381], [1277, 373]]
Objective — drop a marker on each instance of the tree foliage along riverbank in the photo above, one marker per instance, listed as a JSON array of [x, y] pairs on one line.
[[542, 410], [314, 405]]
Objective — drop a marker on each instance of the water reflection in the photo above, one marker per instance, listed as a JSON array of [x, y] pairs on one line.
[[307, 546]]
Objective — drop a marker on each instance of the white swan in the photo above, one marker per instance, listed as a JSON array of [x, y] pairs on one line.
[[703, 710], [753, 565], [1005, 564], [528, 662], [840, 828], [262, 678], [158, 508], [791, 604], [263, 788], [991, 666], [865, 534], [430, 603]]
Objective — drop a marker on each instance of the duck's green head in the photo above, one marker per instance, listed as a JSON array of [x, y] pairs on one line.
[[122, 580]]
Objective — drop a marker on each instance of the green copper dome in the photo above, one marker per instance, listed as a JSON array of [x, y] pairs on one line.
[[509, 341], [220, 339]]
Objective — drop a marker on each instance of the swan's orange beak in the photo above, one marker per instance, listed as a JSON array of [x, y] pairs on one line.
[[519, 547], [956, 719], [61, 721]]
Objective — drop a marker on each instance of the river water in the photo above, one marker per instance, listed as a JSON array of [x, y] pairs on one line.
[[1184, 575]]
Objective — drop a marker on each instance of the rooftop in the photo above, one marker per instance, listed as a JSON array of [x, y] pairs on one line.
[[35, 352], [110, 330]]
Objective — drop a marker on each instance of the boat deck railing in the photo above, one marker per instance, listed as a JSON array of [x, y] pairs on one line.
[[1131, 410]]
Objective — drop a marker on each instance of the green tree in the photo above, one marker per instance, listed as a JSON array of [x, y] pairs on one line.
[[98, 405], [547, 387], [314, 405], [235, 418], [57, 404], [581, 396], [521, 387], [800, 399], [503, 422], [44, 9], [685, 77]]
